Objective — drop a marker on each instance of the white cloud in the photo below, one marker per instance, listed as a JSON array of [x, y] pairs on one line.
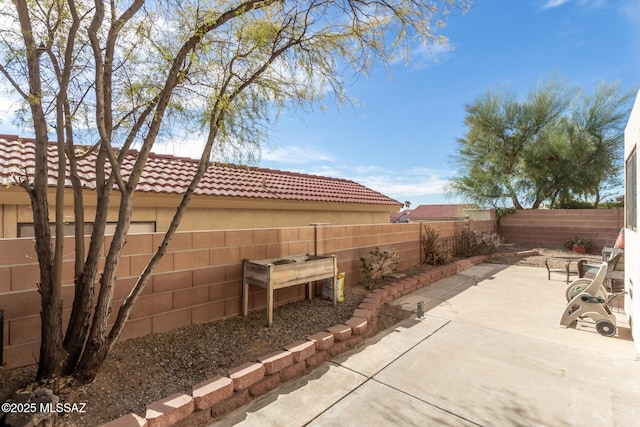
[[367, 170], [296, 155], [8, 110], [423, 56], [190, 147], [407, 184], [550, 4], [417, 185], [554, 3], [393, 187], [631, 10]]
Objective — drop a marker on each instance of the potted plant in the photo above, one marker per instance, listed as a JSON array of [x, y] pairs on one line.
[[579, 245]]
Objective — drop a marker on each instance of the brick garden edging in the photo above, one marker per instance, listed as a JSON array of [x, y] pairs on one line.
[[220, 395]]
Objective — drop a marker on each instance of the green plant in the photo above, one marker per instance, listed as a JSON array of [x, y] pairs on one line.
[[378, 264], [478, 243], [435, 252], [574, 204], [611, 204], [579, 241]]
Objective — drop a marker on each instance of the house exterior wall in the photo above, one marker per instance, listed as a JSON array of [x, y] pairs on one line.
[[551, 228], [203, 213], [480, 214], [632, 237], [198, 280]]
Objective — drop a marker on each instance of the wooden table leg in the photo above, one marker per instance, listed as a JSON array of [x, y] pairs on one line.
[[270, 305], [245, 297], [334, 287], [546, 264]]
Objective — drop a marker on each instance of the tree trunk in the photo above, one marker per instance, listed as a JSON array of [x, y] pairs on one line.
[[85, 282], [97, 346], [51, 350], [92, 360]]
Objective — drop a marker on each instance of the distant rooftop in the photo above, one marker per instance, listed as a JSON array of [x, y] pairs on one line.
[[172, 175]]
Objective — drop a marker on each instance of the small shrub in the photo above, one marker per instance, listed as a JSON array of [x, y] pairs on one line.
[[484, 243], [579, 241], [435, 252], [378, 264]]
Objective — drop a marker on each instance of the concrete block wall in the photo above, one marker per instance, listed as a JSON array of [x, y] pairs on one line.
[[486, 226], [349, 243], [198, 280], [551, 228]]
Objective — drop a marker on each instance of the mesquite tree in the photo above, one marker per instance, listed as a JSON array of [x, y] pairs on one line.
[[126, 73]]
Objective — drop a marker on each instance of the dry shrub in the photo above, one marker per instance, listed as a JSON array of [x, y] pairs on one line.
[[478, 243], [378, 264], [435, 252]]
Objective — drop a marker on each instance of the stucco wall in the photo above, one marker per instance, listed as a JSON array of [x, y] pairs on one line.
[[551, 228], [203, 213], [632, 237]]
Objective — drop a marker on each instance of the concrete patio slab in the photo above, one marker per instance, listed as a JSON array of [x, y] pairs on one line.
[[491, 377], [445, 289], [375, 404], [521, 300], [389, 346], [298, 402], [485, 354]]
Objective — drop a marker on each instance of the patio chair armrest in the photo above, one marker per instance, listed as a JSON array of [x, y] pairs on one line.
[[584, 266]]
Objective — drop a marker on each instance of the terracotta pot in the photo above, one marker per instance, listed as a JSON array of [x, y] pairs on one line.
[[579, 249]]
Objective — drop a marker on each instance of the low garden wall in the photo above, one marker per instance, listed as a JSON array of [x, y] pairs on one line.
[[551, 228], [200, 277]]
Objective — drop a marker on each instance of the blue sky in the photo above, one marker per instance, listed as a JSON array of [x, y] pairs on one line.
[[401, 139]]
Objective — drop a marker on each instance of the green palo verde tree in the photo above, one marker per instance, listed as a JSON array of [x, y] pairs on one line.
[[126, 73], [556, 145]]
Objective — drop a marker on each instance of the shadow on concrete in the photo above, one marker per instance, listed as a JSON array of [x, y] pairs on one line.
[[508, 409], [450, 287]]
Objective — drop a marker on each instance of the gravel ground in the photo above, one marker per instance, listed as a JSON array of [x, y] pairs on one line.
[[543, 253], [143, 370]]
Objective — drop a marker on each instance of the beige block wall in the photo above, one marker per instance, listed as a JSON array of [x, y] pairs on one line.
[[552, 228], [200, 277], [198, 280]]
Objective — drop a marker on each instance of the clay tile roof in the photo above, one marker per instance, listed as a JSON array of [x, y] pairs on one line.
[[170, 174]]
